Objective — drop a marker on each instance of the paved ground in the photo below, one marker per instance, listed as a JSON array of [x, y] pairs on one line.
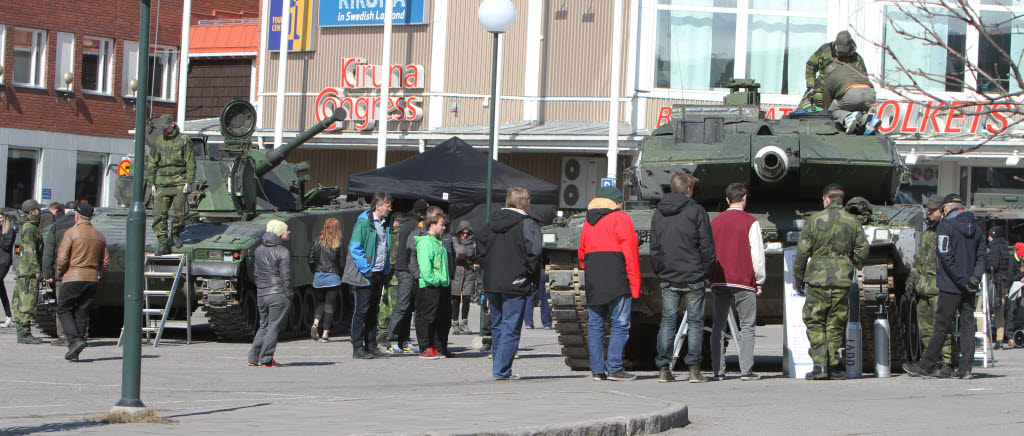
[[208, 388]]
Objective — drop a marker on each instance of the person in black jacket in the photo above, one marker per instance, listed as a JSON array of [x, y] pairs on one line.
[[960, 250], [273, 269], [682, 254], [510, 252], [51, 240], [999, 272], [325, 262], [8, 234]]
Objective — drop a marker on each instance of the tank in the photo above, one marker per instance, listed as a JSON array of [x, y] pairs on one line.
[[236, 191], [785, 163]]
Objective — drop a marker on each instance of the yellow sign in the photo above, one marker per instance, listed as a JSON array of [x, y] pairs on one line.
[[124, 168]]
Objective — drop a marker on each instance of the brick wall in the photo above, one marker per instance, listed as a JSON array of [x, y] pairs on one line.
[[207, 6]]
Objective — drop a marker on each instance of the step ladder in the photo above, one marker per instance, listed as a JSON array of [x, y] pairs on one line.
[[157, 268], [677, 343], [984, 334]]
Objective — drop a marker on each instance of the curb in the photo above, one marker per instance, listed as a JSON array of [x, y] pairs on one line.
[[675, 416]]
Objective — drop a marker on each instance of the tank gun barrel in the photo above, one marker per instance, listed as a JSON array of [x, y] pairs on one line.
[[273, 158], [771, 163]]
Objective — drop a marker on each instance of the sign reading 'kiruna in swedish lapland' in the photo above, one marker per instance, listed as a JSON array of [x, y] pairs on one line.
[[370, 12]]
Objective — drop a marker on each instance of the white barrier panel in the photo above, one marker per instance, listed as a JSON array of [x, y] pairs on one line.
[[795, 356]]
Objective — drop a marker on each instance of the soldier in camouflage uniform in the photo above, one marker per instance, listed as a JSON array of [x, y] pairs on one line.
[[842, 49], [170, 168], [26, 288], [921, 281], [831, 243]]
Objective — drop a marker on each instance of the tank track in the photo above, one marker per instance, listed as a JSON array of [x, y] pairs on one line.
[[231, 323], [569, 312]]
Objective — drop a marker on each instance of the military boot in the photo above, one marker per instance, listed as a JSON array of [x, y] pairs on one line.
[[176, 241], [163, 249], [837, 373], [818, 373], [27, 338]]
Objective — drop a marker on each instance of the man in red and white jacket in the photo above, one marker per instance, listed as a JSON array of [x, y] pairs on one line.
[[736, 278], [610, 259]]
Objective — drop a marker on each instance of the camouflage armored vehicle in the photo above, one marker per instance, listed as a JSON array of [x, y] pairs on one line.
[[237, 189], [786, 163]]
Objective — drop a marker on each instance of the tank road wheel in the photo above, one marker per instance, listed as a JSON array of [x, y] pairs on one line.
[[569, 311], [238, 322], [338, 320], [46, 319]]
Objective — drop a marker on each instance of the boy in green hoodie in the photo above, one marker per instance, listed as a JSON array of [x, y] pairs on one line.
[[433, 297]]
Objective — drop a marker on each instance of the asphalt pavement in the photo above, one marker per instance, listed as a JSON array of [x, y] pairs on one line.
[[207, 388]]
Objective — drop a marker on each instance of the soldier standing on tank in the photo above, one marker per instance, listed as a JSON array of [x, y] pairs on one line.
[[51, 241], [921, 281], [170, 168], [831, 244], [842, 49], [26, 288]]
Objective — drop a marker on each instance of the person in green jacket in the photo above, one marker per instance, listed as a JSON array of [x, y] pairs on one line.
[[921, 282], [170, 169], [843, 49], [26, 288], [433, 308]]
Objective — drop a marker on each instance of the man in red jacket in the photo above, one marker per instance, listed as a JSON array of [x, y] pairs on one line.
[[609, 256], [736, 278]]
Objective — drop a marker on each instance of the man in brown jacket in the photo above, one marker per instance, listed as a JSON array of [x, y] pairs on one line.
[[80, 259]]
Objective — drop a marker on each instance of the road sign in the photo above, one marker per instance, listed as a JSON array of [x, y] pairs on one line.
[[124, 168], [607, 181]]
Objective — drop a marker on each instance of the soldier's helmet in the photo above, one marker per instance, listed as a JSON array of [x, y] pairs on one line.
[[858, 206], [843, 43]]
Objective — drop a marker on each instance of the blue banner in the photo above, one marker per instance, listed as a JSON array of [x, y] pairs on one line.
[[335, 13], [301, 33]]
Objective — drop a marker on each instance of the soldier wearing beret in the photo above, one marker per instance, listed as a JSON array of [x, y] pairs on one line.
[[170, 167]]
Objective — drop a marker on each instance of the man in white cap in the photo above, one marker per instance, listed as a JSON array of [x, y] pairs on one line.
[[274, 291]]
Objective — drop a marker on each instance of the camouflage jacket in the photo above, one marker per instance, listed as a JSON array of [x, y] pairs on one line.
[[171, 161], [830, 244], [814, 73], [922, 275], [31, 247]]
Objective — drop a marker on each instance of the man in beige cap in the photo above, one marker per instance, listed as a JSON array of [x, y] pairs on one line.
[[26, 288], [170, 168], [274, 291]]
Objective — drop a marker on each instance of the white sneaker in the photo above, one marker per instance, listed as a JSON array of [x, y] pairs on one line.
[[850, 122], [7, 323], [872, 125]]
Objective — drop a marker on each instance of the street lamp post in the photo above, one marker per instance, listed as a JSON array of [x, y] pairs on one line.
[[496, 16]]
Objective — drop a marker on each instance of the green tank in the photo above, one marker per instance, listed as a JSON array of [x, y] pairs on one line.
[[785, 163], [237, 190]]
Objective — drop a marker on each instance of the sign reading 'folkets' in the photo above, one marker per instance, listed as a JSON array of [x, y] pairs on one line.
[[356, 74], [371, 12]]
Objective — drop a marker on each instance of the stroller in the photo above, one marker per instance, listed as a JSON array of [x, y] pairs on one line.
[[1015, 314]]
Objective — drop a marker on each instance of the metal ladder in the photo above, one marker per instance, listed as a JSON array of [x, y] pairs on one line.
[[155, 318], [984, 333]]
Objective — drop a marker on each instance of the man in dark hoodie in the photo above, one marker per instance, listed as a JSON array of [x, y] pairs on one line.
[[401, 316], [52, 237], [999, 272], [610, 259], [510, 252], [274, 292], [960, 249], [682, 254]]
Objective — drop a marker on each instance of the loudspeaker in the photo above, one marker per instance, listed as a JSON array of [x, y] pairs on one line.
[[581, 179]]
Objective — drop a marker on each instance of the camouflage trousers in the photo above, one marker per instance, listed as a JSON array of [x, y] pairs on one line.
[[825, 314], [387, 306], [169, 200], [812, 102], [26, 294], [926, 324]]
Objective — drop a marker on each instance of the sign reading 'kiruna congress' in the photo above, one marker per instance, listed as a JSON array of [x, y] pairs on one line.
[[371, 12], [357, 75]]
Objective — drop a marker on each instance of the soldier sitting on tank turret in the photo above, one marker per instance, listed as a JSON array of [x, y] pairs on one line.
[[848, 95], [170, 168]]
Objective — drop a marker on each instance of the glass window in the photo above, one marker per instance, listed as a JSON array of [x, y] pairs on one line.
[[29, 56], [162, 62], [1003, 2], [997, 180], [702, 3], [3, 43], [942, 70], [790, 5], [681, 62], [778, 47], [924, 182], [21, 176], [88, 177], [97, 64], [1008, 35]]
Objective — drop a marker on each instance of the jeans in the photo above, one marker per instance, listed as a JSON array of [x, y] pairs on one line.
[[432, 318], [670, 299], [273, 311], [73, 308], [746, 306], [545, 306], [506, 326], [364, 320], [401, 316], [618, 310], [949, 304]]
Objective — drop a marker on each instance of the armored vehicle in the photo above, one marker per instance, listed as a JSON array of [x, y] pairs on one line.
[[237, 189], [785, 163]]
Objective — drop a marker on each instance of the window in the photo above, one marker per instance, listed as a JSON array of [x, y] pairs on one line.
[[924, 182], [65, 61], [702, 44], [944, 71], [29, 56], [1007, 32], [88, 177], [21, 176], [3, 41], [97, 65], [162, 63]]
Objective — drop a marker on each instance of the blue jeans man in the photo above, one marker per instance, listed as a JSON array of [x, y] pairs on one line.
[[540, 296], [670, 299], [506, 327], [618, 311]]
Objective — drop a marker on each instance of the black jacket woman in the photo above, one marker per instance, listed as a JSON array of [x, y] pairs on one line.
[[7, 235], [325, 262]]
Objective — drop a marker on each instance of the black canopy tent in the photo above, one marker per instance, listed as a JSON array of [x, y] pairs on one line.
[[453, 172]]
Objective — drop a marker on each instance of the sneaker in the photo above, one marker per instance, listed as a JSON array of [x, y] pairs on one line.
[[428, 356], [455, 329], [379, 354], [7, 323], [600, 377], [313, 332], [696, 376], [323, 340], [818, 373], [850, 122], [393, 348], [74, 350], [253, 364], [945, 371], [872, 125], [407, 347], [510, 377], [448, 354], [665, 375], [362, 354], [963, 375], [622, 376], [272, 364], [59, 342], [914, 369], [748, 377]]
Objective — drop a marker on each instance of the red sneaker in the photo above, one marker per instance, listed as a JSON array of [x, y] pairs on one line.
[[434, 352], [429, 354], [272, 364]]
